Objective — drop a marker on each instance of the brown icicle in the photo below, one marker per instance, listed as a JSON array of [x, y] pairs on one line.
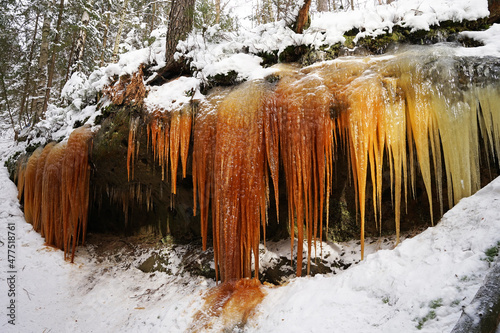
[[75, 189]]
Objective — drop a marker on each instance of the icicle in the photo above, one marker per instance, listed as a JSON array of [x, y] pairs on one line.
[[37, 202], [133, 147], [306, 144], [185, 136], [229, 165], [175, 133], [75, 189], [20, 177], [231, 303], [52, 187], [29, 187]]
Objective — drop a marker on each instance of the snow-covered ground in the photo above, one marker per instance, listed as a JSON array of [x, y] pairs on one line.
[[421, 285]]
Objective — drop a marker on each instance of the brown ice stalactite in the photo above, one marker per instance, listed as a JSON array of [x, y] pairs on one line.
[[203, 163], [229, 305], [229, 166], [306, 148], [185, 136], [239, 187], [20, 176], [133, 147], [169, 133], [56, 195], [30, 184], [38, 195], [158, 134], [52, 199], [174, 144], [75, 189]]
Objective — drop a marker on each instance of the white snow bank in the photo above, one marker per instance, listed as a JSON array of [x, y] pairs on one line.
[[490, 38], [373, 20], [217, 52], [174, 94], [247, 67], [418, 287]]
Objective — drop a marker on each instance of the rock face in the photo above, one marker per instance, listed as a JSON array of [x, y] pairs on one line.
[[144, 204]]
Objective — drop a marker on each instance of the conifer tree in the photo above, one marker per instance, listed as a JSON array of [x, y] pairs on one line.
[[180, 23]]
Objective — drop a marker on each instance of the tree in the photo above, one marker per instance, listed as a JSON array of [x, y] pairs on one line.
[[303, 17], [55, 44], [322, 5], [180, 24], [116, 47], [80, 42], [42, 67], [217, 11], [105, 36], [205, 15], [264, 12]]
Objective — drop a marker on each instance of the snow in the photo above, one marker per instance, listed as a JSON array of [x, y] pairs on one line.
[[422, 283], [247, 67], [174, 94], [490, 38], [419, 286], [439, 270]]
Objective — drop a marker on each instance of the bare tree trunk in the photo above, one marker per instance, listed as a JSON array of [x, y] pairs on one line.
[[42, 68], [6, 97], [105, 37], [322, 5], [53, 59], [71, 53], [217, 11], [179, 25], [27, 81], [352, 4], [80, 43], [116, 47], [257, 16], [269, 10], [303, 17], [153, 17], [334, 5]]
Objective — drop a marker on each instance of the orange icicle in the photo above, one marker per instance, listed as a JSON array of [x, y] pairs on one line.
[[51, 215], [305, 145], [133, 147], [75, 189], [185, 137], [37, 202], [30, 184]]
